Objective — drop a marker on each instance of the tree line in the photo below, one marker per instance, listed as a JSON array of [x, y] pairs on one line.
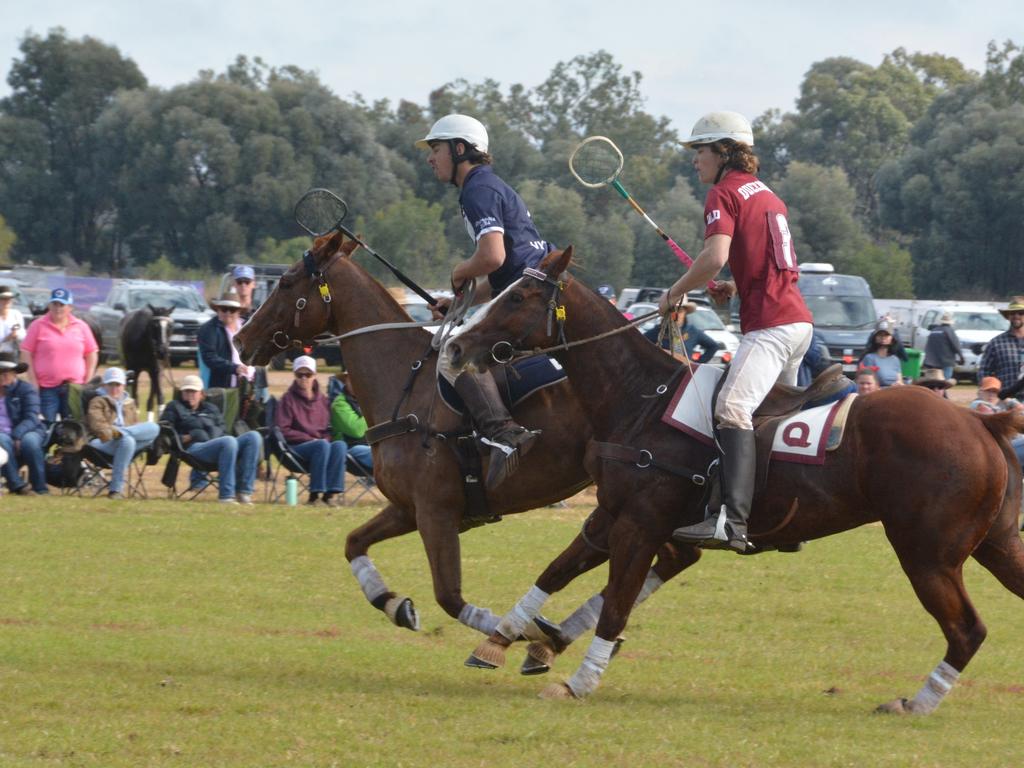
[[910, 172]]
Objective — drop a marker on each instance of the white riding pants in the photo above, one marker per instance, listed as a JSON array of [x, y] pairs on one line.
[[763, 357]]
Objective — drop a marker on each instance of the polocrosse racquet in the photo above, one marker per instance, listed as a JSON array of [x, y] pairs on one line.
[[597, 163], [321, 212]]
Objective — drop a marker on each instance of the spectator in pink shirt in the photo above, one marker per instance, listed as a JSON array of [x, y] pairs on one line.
[[59, 348]]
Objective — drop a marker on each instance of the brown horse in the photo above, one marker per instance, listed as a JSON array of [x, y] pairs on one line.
[[393, 371], [964, 503]]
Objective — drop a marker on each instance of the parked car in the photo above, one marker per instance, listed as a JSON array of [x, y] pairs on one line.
[[975, 327], [704, 319], [190, 310]]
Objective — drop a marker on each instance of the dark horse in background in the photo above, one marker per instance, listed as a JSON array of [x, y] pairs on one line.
[[393, 374], [146, 346], [943, 480]]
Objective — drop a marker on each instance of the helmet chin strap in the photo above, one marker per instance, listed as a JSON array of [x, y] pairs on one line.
[[456, 157]]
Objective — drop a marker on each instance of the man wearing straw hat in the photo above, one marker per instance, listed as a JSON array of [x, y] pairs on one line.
[[1004, 356]]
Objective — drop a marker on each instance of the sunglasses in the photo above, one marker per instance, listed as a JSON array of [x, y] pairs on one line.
[[229, 310], [306, 375], [243, 281]]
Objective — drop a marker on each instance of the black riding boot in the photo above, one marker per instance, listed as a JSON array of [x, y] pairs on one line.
[[509, 442], [726, 527]]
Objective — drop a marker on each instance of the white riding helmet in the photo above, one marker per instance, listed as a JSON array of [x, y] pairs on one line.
[[716, 126], [449, 127]]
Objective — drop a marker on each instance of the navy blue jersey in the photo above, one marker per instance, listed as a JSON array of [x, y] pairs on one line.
[[490, 205]]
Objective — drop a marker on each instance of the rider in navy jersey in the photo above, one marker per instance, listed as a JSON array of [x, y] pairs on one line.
[[506, 242]]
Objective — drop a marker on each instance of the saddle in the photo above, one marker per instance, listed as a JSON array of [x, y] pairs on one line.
[[784, 400]]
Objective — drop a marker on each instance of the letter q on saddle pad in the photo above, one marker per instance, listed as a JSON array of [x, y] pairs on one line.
[[803, 437]]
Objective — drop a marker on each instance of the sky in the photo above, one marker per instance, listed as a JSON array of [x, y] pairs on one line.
[[694, 57]]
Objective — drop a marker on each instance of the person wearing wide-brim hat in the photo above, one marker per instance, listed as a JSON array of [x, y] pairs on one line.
[[1004, 354], [935, 380], [22, 435], [219, 363], [691, 336], [942, 349]]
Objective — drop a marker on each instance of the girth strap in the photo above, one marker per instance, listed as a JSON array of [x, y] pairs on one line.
[[642, 458], [402, 426]]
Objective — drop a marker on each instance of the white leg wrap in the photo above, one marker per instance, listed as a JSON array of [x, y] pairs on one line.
[[583, 618], [586, 679], [586, 616], [480, 619], [369, 577], [939, 683], [651, 585], [514, 622]]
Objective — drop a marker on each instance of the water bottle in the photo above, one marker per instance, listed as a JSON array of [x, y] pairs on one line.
[[291, 491]]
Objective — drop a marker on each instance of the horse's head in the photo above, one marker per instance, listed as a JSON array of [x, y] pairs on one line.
[[159, 330], [524, 315], [299, 307]]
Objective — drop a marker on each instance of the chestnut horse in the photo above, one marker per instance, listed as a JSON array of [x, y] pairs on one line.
[[963, 502], [393, 371]]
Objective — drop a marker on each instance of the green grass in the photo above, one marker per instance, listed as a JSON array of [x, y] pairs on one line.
[[157, 633]]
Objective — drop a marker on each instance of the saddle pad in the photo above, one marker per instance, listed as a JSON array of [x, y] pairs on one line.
[[803, 437], [527, 377]]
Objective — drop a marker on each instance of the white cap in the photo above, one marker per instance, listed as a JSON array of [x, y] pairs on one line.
[[716, 126], [114, 376], [191, 382], [304, 361], [464, 127]]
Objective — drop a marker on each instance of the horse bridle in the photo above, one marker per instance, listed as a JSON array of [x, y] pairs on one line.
[[555, 313], [282, 340], [504, 352]]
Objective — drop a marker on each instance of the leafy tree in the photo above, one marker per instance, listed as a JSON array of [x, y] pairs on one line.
[[681, 216], [7, 238], [410, 234], [58, 90], [958, 193]]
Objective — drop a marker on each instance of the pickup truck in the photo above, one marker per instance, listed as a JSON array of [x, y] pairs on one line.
[[189, 312]]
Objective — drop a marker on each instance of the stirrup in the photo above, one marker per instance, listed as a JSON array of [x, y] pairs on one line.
[[505, 455], [714, 532]]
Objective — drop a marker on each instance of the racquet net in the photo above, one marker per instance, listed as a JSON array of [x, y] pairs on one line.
[[320, 212], [596, 162]]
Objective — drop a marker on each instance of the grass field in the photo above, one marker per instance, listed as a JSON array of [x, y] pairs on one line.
[[159, 633]]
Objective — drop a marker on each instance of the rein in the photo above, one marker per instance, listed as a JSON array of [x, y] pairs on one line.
[[555, 313]]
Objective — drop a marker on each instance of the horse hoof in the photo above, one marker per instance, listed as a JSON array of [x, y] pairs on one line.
[[553, 632], [556, 691], [487, 655], [402, 613], [894, 707], [539, 658]]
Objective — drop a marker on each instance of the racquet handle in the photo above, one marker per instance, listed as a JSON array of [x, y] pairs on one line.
[[682, 255]]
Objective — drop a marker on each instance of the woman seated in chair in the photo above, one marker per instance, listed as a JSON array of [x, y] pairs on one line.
[[200, 425], [304, 418], [348, 423], [113, 419]]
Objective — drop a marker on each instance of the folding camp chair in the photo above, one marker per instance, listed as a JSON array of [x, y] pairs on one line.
[[275, 447], [227, 401], [363, 481], [92, 476]]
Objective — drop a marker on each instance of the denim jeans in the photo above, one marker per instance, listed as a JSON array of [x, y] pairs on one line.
[[30, 454], [53, 401], [363, 454], [133, 440], [236, 459], [326, 462]]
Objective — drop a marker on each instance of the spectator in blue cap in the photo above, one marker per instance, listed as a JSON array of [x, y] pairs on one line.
[[245, 283], [59, 348]]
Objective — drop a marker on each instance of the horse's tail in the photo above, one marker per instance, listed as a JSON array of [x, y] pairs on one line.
[[1006, 424]]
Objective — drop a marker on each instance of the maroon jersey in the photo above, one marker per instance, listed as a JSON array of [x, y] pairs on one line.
[[761, 254]]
